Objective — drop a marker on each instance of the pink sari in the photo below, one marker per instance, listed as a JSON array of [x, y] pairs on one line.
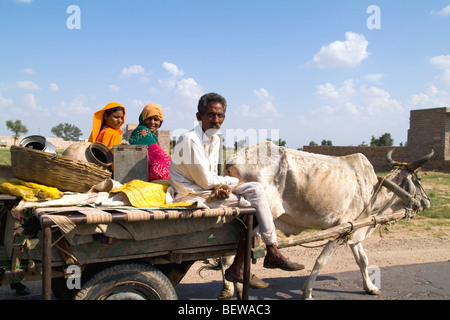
[[158, 163]]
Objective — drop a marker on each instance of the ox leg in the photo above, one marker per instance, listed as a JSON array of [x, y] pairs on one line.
[[321, 261], [228, 286], [363, 262]]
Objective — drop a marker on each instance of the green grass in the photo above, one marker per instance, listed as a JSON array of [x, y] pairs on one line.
[[5, 157], [437, 186]]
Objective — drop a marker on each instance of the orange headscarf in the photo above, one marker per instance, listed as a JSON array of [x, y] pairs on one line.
[[111, 136], [152, 109]]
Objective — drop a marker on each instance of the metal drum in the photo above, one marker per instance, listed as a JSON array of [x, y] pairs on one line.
[[38, 143]]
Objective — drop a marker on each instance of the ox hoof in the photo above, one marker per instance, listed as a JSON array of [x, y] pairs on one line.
[[307, 296], [374, 292], [225, 297]]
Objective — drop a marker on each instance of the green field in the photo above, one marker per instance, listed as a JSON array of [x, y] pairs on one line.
[[5, 157]]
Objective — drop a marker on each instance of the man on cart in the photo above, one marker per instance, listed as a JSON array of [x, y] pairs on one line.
[[194, 176]]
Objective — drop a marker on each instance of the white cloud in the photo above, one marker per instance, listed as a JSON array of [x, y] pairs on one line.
[[175, 75], [173, 69], [244, 110], [27, 85], [54, 87], [76, 106], [342, 54], [188, 89], [24, 1], [265, 100], [184, 91], [356, 101], [432, 98], [114, 88], [328, 91], [30, 100], [6, 102], [26, 71], [132, 70], [139, 104], [264, 107], [442, 62], [444, 12], [374, 78]]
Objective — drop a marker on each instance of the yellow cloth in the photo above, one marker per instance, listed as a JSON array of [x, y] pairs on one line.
[[29, 191], [152, 109], [111, 136], [143, 194]]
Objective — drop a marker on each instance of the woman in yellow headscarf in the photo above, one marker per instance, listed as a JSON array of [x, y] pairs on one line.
[[107, 123], [150, 120]]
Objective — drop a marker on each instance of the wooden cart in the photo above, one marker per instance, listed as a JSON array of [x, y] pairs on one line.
[[127, 269]]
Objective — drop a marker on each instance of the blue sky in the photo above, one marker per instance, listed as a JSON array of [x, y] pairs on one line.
[[297, 70]]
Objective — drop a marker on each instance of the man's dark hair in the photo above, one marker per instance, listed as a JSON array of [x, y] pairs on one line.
[[215, 97]]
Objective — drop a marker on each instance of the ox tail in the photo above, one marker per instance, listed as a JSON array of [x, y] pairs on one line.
[[216, 265]]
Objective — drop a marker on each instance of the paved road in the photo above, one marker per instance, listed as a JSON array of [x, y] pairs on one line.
[[412, 282]]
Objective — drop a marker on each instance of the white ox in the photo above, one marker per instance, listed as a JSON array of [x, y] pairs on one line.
[[309, 190]]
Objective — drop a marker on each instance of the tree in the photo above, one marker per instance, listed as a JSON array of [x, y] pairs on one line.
[[279, 142], [383, 140], [327, 143], [67, 131], [239, 144], [17, 127], [313, 144]]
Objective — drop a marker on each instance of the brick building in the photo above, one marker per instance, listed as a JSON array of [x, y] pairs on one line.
[[430, 129]]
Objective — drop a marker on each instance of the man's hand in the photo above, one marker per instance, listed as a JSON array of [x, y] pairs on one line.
[[222, 192]]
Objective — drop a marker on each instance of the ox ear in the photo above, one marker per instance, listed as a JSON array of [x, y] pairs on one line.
[[413, 166]]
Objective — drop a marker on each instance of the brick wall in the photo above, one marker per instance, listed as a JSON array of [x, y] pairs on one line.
[[376, 155], [430, 129], [164, 140]]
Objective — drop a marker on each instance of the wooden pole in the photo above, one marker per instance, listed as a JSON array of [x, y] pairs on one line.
[[248, 254], [339, 230]]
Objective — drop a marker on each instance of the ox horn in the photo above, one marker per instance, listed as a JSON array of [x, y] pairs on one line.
[[394, 163], [402, 194], [419, 162], [389, 158]]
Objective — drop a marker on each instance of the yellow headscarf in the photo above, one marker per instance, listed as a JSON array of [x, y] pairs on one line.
[[113, 136], [152, 109]]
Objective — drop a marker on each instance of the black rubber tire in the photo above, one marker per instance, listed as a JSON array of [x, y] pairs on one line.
[[60, 290], [127, 281]]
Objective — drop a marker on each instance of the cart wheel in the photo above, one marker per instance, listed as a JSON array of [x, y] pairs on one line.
[[60, 290], [128, 281]]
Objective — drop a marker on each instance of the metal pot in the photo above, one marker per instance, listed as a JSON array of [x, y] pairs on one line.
[[38, 143], [92, 152]]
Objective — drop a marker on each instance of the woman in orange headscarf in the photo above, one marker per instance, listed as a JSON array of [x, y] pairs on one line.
[[107, 123]]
